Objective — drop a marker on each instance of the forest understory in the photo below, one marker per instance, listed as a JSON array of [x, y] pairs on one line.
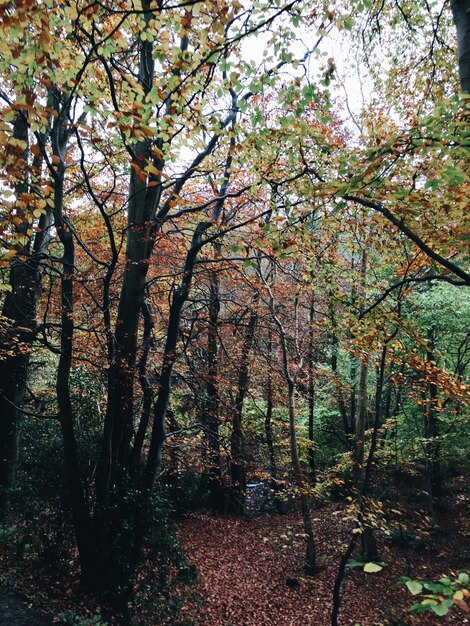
[[248, 572]]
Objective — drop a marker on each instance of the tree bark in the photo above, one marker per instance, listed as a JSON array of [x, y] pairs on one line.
[[237, 465], [461, 15], [368, 542], [311, 396], [80, 511], [310, 548], [212, 389], [19, 312], [431, 432], [143, 200]]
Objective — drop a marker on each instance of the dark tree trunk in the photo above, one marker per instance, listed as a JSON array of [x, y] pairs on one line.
[[78, 505], [145, 386], [348, 424], [310, 550], [461, 14], [20, 311], [212, 403], [237, 465], [268, 429], [118, 431], [368, 542], [80, 512], [431, 433], [311, 397]]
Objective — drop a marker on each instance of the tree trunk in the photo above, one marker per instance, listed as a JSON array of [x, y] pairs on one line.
[[80, 512], [237, 465], [311, 397], [461, 14], [268, 429], [212, 404], [348, 425], [431, 433], [19, 312], [146, 387], [368, 542], [310, 551], [143, 200]]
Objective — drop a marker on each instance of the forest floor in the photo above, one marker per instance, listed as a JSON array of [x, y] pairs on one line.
[[15, 612], [249, 573], [244, 567]]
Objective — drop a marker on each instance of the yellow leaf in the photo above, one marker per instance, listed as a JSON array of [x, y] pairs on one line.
[[151, 169]]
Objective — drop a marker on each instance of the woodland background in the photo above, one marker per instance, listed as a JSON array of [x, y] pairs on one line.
[[234, 333]]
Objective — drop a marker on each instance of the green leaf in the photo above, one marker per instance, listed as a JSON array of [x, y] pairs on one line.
[[355, 563], [418, 608], [464, 578], [436, 587], [442, 608], [414, 586], [372, 567]]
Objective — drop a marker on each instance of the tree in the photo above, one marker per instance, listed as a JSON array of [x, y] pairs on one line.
[[155, 171], [461, 14], [136, 80]]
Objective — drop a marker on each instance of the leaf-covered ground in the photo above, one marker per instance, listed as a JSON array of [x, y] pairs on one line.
[[245, 567]]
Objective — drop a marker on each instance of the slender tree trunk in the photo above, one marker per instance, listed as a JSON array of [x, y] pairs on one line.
[[146, 387], [237, 465], [310, 550], [268, 429], [368, 542], [79, 508], [80, 512], [212, 406], [431, 432], [348, 425], [311, 397], [361, 420]]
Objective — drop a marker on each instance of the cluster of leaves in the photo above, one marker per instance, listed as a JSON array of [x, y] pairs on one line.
[[439, 596]]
